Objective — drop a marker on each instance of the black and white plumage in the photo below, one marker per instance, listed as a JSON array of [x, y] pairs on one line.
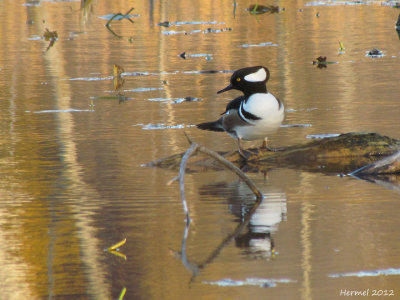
[[253, 116]]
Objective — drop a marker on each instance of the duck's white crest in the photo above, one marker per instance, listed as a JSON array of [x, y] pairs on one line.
[[258, 76]]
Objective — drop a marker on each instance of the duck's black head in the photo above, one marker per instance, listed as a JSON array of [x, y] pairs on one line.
[[249, 80]]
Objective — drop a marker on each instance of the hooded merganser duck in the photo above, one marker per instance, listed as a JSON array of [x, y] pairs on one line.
[[252, 116]]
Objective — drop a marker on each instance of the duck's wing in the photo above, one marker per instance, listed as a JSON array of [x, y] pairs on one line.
[[234, 104]]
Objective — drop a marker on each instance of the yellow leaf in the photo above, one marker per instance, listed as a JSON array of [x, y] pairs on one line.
[[117, 245]]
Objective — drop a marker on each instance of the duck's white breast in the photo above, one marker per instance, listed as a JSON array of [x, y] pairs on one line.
[[271, 114]]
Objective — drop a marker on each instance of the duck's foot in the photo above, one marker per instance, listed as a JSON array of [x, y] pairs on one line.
[[245, 154], [274, 149]]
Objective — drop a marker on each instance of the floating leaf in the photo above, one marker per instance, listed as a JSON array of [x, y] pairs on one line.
[[50, 35], [118, 83], [117, 245], [341, 49], [118, 70], [122, 294], [321, 62], [114, 249]]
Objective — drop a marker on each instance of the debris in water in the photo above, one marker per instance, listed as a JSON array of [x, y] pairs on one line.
[[117, 245], [117, 78], [256, 9], [122, 294], [320, 62], [375, 53], [119, 16], [118, 70], [51, 36], [165, 24], [114, 249], [341, 49]]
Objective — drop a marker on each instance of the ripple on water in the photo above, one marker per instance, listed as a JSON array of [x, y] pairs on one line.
[[381, 272], [261, 282], [162, 126]]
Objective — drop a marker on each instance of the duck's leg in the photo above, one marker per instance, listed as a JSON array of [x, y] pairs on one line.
[[243, 153], [265, 146], [264, 143]]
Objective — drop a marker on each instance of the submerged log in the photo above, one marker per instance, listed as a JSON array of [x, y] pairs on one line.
[[341, 154]]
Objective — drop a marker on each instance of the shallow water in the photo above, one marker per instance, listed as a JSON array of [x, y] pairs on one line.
[[72, 150]]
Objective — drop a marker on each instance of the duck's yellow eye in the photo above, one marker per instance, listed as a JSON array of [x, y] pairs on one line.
[[238, 79]]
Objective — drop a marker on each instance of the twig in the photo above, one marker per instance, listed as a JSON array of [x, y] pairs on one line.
[[385, 165], [192, 149], [233, 168], [119, 14]]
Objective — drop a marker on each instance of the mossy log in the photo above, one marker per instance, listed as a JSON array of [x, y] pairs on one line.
[[341, 154]]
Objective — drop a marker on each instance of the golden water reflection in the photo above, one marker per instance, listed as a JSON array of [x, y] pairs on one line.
[[72, 184]]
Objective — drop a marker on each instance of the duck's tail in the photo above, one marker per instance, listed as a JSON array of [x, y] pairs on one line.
[[212, 126]]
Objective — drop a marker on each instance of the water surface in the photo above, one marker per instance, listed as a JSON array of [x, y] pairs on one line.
[[72, 150]]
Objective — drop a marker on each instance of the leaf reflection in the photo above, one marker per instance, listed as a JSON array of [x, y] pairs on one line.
[[114, 249]]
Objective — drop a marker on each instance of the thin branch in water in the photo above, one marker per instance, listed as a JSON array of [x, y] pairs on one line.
[[192, 149], [226, 163], [386, 165]]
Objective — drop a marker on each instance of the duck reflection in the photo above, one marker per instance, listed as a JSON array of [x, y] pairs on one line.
[[257, 242]]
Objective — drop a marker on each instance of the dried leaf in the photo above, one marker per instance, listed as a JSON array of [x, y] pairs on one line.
[[50, 35], [117, 245], [118, 70]]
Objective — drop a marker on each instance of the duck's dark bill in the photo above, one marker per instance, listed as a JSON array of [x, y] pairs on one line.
[[229, 87]]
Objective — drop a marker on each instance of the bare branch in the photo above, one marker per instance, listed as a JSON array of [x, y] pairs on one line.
[[226, 163], [192, 149], [388, 165]]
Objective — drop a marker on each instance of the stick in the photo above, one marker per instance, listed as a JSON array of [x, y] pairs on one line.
[[192, 149], [383, 166], [233, 168]]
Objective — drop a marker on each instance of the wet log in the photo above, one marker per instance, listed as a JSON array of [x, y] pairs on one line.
[[341, 154]]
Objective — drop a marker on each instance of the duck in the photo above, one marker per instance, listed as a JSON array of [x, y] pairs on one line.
[[252, 116]]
